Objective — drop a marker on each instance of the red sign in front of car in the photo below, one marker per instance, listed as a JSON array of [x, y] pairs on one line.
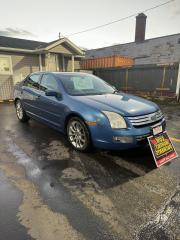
[[162, 148]]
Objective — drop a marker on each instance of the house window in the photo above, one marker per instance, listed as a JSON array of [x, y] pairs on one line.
[[5, 65]]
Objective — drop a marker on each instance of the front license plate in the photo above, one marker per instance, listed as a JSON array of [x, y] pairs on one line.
[[157, 130]]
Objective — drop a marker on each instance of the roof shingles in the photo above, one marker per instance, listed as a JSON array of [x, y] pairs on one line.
[[19, 43]]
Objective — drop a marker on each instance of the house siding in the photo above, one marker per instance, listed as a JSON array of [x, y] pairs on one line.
[[25, 64], [22, 65], [69, 65], [50, 62], [64, 49]]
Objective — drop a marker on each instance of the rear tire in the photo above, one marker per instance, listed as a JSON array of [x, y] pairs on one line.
[[21, 114], [78, 134]]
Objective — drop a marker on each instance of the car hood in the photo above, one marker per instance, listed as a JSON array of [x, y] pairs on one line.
[[125, 104]]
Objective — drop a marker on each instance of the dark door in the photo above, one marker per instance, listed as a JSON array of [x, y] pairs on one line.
[[31, 94], [52, 108]]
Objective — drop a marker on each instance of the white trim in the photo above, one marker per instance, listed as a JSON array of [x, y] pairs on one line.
[[63, 63], [71, 44], [55, 44], [178, 84], [40, 50], [16, 50], [10, 65], [74, 46], [79, 56], [57, 62], [40, 62], [72, 62]]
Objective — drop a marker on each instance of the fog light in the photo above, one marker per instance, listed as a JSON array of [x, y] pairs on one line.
[[123, 139]]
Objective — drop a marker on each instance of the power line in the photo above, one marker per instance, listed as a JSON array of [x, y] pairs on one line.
[[119, 20]]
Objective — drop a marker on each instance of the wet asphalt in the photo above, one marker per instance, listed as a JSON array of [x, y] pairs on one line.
[[49, 191]]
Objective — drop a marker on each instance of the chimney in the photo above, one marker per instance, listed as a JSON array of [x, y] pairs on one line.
[[140, 27]]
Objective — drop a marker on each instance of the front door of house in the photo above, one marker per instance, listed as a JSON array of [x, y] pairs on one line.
[[52, 62]]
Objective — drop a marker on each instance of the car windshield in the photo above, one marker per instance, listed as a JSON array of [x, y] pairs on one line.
[[82, 84]]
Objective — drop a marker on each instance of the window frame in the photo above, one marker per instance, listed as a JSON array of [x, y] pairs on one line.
[[10, 65]]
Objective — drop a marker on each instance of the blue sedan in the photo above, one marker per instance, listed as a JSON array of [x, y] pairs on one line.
[[87, 109]]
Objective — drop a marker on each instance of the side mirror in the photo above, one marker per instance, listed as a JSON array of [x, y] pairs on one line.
[[53, 94]]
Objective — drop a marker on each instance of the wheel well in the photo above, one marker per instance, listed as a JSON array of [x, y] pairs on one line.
[[69, 117], [79, 116], [74, 115], [15, 100]]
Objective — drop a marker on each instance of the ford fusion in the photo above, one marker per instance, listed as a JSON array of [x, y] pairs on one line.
[[87, 109]]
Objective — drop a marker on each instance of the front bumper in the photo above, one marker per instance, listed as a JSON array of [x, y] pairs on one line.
[[105, 137]]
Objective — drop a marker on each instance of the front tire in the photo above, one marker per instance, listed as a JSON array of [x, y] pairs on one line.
[[21, 114], [78, 134]]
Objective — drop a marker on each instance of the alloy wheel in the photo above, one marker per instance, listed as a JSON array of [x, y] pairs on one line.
[[77, 134], [19, 110]]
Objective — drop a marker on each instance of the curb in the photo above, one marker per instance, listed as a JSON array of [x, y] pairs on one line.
[[7, 101]]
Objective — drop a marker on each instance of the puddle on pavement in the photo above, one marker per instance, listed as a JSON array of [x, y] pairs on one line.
[[56, 196], [10, 200], [41, 223]]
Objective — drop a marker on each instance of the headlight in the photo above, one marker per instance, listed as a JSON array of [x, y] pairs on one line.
[[159, 112], [115, 120]]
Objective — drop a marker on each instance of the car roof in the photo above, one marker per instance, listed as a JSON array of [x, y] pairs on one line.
[[60, 73]]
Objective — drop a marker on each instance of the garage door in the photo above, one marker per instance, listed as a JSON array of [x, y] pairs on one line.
[[6, 87], [6, 81]]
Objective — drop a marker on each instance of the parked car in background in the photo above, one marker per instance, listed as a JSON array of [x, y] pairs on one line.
[[87, 109]]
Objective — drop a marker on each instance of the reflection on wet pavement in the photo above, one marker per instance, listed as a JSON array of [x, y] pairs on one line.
[[100, 195]]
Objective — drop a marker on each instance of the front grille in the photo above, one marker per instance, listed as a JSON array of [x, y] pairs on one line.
[[147, 119]]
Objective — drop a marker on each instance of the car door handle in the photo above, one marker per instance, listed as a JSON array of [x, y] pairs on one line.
[[37, 97]]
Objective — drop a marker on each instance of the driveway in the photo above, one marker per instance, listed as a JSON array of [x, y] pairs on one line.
[[49, 191]]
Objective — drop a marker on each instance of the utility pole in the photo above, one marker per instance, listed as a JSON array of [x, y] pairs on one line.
[[178, 85]]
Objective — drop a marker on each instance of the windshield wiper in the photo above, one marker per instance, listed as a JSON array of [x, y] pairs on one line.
[[115, 91]]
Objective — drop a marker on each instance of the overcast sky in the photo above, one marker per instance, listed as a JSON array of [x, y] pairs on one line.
[[43, 19]]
